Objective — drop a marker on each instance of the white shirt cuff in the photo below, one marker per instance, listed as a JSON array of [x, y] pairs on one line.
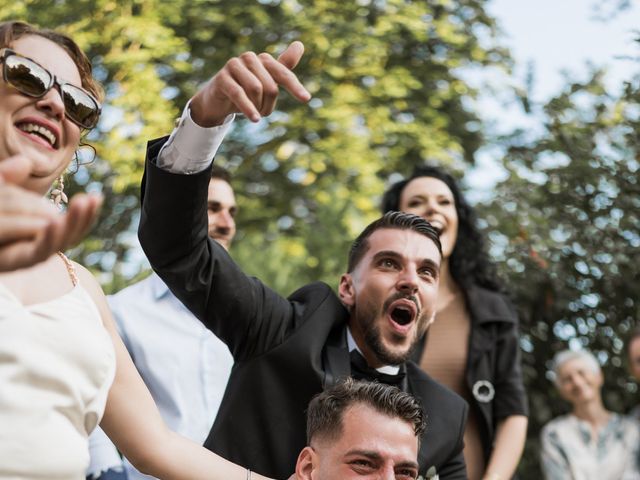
[[190, 147]]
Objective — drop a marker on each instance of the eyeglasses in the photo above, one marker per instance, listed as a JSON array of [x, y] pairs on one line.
[[34, 80]]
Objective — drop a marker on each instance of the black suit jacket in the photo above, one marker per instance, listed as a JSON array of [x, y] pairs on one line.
[[286, 350]]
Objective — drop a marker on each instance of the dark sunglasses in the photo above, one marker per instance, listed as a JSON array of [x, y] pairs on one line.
[[34, 80]]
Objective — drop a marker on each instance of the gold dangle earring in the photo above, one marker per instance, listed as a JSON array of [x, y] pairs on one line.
[[57, 194]]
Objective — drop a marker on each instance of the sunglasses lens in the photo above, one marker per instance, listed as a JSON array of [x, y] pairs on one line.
[[31, 79], [27, 77], [79, 106]]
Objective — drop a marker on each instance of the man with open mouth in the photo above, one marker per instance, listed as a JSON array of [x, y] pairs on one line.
[[286, 350]]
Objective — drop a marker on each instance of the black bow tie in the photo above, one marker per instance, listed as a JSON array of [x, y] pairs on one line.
[[360, 370]]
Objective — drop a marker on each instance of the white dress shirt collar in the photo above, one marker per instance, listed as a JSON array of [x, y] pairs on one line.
[[352, 345]]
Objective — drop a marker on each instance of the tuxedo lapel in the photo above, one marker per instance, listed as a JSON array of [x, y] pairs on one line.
[[415, 387], [335, 357]]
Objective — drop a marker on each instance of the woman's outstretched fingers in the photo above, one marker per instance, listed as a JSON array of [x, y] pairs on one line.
[[15, 228], [15, 169], [81, 214]]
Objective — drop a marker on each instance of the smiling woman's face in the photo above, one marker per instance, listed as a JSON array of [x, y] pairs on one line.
[[577, 382], [431, 199], [29, 125]]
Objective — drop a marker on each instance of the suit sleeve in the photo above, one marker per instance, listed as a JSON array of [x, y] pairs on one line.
[[248, 316], [455, 468]]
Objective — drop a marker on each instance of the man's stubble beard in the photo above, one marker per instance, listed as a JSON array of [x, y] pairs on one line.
[[366, 318]]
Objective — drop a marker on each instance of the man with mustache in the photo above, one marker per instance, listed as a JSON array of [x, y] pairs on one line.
[[183, 364], [286, 350]]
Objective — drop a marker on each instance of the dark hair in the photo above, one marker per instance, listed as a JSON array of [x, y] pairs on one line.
[[396, 220], [469, 262], [13, 30], [220, 173], [325, 412]]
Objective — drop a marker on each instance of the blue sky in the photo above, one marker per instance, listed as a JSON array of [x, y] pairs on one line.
[[563, 35], [560, 39]]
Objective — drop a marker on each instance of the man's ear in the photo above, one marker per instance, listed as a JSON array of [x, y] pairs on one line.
[[306, 464], [346, 291]]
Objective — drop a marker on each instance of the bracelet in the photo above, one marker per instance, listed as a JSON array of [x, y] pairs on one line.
[[248, 474]]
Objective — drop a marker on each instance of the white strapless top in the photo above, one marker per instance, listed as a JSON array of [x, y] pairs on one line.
[[57, 363]]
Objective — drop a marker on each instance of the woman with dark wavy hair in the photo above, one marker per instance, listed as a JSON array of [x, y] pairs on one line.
[[473, 345]]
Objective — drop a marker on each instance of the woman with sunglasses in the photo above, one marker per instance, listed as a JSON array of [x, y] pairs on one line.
[[472, 347], [63, 367]]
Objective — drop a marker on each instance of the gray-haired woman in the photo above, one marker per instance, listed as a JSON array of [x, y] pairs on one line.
[[591, 442]]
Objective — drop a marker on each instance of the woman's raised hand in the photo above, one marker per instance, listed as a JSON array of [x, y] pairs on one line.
[[31, 228]]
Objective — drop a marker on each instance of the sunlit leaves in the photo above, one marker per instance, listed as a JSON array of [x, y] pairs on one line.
[[568, 224]]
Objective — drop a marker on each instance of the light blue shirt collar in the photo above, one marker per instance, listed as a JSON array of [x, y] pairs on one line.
[[158, 288]]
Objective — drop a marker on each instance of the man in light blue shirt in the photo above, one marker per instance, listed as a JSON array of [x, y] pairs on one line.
[[184, 365]]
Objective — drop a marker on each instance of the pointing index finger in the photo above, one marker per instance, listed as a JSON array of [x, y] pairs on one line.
[[286, 78]]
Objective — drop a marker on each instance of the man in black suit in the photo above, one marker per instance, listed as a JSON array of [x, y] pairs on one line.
[[286, 350]]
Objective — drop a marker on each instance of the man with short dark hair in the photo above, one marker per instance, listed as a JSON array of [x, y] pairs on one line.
[[221, 207], [286, 350], [184, 365], [357, 429]]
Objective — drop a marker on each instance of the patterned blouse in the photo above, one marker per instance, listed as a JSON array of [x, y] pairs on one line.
[[568, 452]]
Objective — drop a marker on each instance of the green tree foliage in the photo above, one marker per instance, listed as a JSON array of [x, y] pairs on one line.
[[566, 229], [128, 46], [389, 92], [387, 89]]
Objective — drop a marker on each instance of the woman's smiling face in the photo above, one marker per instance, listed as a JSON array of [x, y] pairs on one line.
[[578, 382], [431, 199], [37, 128]]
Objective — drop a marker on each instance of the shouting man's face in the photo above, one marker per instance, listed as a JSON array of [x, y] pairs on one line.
[[391, 294]]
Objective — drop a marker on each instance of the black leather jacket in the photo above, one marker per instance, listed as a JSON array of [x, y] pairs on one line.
[[494, 373]]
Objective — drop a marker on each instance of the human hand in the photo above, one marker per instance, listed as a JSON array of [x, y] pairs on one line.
[[248, 84], [31, 228]]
